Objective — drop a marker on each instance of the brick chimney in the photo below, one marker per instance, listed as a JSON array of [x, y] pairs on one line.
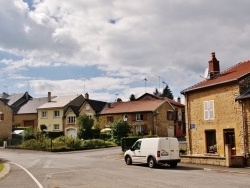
[[49, 96], [86, 96], [179, 100], [214, 66]]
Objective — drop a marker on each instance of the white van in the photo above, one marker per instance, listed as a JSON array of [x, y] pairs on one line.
[[154, 151]]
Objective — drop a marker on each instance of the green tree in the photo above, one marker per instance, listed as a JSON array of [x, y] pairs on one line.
[[85, 127], [132, 97], [121, 129], [167, 93]]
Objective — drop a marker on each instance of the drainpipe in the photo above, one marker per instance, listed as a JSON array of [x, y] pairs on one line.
[[243, 127], [188, 124]]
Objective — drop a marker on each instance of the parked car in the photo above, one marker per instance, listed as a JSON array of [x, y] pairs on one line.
[[154, 151]]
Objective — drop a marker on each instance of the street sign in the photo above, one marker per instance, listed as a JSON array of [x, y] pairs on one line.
[[192, 126]]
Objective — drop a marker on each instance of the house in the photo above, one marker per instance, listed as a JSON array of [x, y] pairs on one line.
[[51, 114], [9, 106], [178, 115], [6, 117], [89, 107], [147, 114], [218, 111], [26, 115]]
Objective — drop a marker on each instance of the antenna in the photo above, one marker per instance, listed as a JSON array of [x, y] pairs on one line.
[[206, 74]]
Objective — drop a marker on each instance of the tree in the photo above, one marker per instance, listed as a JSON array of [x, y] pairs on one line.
[[132, 97], [85, 127], [167, 93], [157, 93], [120, 129]]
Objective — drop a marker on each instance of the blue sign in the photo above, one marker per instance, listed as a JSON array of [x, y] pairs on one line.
[[192, 126]]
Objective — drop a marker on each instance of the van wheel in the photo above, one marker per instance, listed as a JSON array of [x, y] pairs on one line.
[[151, 162], [173, 165], [128, 160]]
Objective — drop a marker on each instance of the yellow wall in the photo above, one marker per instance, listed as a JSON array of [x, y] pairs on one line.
[[50, 120], [6, 124], [227, 115]]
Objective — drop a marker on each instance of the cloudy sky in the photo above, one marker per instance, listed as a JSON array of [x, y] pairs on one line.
[[108, 47]]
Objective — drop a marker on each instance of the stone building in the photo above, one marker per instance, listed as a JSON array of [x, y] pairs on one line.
[[218, 111]]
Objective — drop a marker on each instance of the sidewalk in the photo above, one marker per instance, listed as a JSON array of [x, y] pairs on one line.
[[5, 170], [238, 170]]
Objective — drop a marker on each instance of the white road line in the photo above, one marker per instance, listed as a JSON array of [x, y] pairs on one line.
[[37, 182], [46, 165]]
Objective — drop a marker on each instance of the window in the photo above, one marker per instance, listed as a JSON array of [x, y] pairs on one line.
[[44, 114], [211, 141], [57, 113], [71, 119], [87, 107], [137, 145], [139, 117], [1, 116], [170, 115], [56, 126], [139, 129], [110, 119], [209, 110]]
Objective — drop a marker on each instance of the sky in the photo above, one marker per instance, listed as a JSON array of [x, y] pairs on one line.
[[113, 48]]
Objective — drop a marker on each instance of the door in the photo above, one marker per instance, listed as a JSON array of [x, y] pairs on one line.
[[229, 138], [136, 157]]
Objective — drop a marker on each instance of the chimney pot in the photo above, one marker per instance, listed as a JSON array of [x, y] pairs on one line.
[[49, 96]]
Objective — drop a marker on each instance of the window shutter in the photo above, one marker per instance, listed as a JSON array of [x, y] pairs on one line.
[[133, 117], [211, 109], [145, 128], [206, 111]]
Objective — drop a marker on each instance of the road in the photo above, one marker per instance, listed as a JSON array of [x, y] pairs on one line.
[[106, 168]]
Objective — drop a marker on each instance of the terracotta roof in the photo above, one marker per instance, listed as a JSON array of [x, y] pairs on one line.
[[133, 106], [232, 74], [175, 103]]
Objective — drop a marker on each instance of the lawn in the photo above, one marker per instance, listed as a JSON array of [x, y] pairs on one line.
[[1, 167]]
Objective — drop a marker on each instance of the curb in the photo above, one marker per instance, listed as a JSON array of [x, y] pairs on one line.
[[5, 170], [228, 171]]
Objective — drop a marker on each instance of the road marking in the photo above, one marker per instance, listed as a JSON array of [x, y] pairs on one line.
[[46, 165], [37, 182], [34, 163]]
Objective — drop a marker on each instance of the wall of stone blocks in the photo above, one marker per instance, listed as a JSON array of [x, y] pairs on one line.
[[6, 124], [20, 118], [227, 116]]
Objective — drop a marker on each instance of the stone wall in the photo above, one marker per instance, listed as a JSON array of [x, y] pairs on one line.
[[227, 116], [6, 123]]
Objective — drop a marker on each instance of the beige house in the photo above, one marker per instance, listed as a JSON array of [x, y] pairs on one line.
[[146, 115], [89, 107], [218, 111], [51, 114]]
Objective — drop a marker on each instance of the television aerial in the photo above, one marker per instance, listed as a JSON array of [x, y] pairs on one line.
[[206, 74]]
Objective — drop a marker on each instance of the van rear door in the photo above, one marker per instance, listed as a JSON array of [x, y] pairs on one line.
[[164, 149], [174, 148]]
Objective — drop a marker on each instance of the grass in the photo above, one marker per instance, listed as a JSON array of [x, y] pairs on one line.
[[1, 167]]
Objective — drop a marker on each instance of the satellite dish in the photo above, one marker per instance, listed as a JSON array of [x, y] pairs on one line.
[[206, 74]]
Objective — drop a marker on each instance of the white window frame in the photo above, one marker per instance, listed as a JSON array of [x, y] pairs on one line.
[[139, 117], [56, 113], [139, 129], [71, 119], [56, 127], [209, 113], [44, 114]]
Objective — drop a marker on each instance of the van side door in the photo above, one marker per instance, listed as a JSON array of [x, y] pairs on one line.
[[136, 150]]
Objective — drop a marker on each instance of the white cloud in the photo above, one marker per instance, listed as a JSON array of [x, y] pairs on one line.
[[126, 40]]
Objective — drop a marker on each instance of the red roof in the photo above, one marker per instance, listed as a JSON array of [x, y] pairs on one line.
[[133, 106], [232, 74]]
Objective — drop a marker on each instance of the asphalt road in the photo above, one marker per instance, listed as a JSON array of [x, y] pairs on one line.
[[106, 168]]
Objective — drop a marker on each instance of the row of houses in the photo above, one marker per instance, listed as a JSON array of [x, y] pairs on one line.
[[149, 114]]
